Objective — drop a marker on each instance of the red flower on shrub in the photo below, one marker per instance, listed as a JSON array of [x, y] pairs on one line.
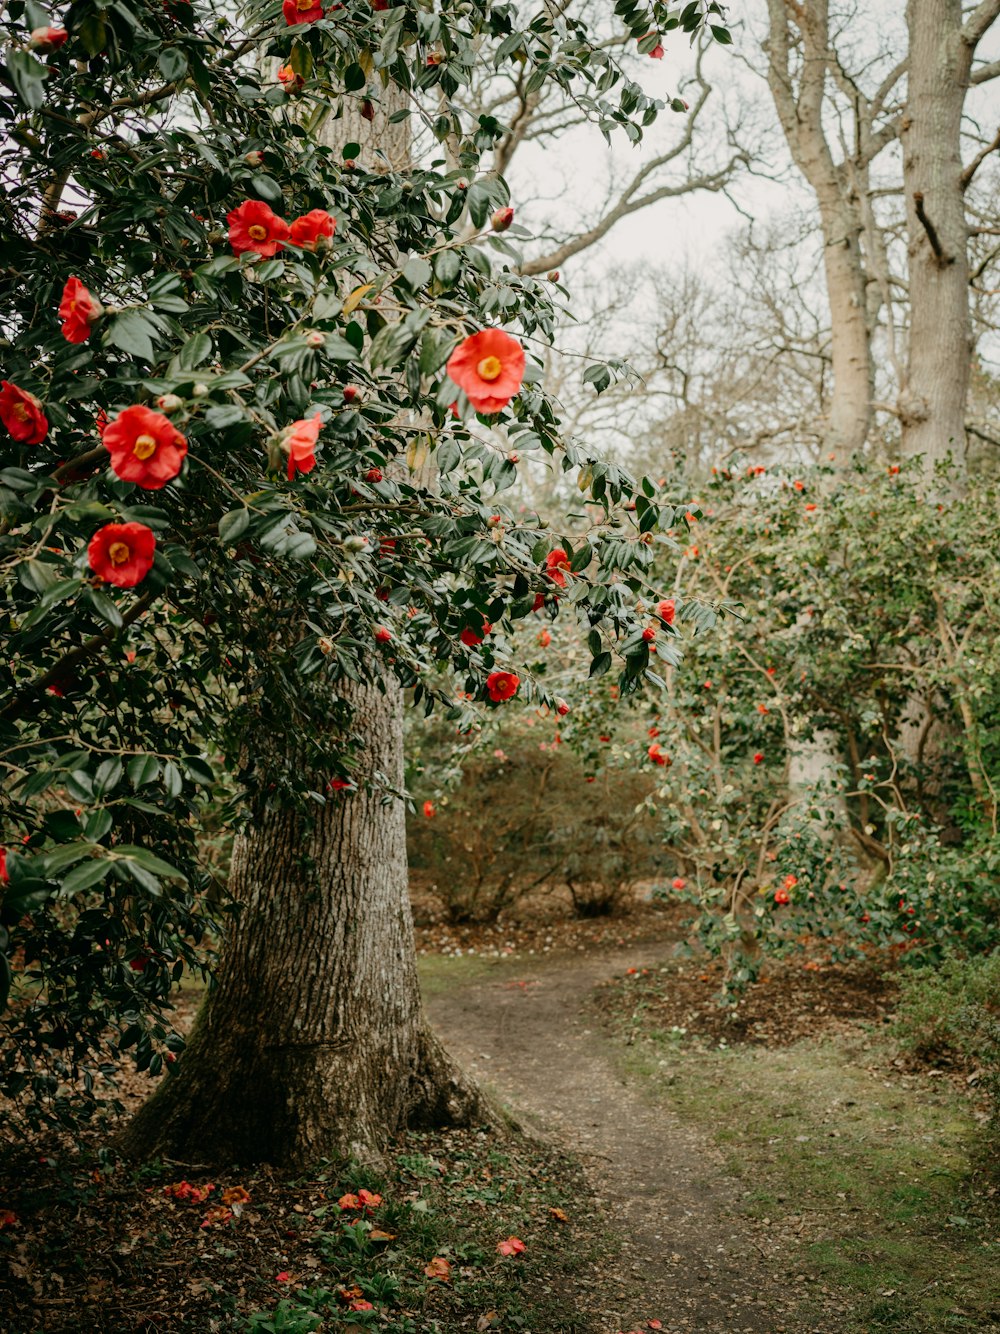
[[78, 311], [781, 896], [312, 228], [489, 366], [791, 881], [555, 562], [429, 810], [254, 227], [502, 686], [145, 447], [22, 414], [47, 39], [679, 882], [657, 756], [758, 758], [122, 553], [4, 873], [469, 637], [562, 708], [383, 636], [666, 610], [649, 634], [291, 81], [301, 11], [301, 444]]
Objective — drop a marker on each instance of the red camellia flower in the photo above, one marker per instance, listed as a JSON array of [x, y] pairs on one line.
[[373, 475], [791, 881], [489, 366], [145, 447], [469, 637], [502, 686], [22, 414], [758, 758], [301, 444], [429, 810], [555, 562], [657, 756], [301, 11], [122, 553], [78, 311], [501, 219], [253, 227], [312, 229], [512, 1246], [781, 896], [544, 638], [649, 634], [657, 52], [4, 873], [383, 635], [562, 708], [679, 882], [667, 610]]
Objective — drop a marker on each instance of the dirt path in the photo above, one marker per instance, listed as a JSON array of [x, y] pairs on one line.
[[692, 1262]]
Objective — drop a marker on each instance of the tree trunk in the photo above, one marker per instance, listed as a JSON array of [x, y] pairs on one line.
[[800, 111], [933, 401], [314, 1042]]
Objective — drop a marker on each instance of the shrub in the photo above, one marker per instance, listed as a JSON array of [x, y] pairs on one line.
[[524, 816]]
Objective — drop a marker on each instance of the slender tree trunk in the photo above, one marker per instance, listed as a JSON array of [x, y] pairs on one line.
[[933, 401], [800, 109], [314, 1043]]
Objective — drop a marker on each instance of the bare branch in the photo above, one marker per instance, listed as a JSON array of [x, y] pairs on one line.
[[980, 20], [979, 159]]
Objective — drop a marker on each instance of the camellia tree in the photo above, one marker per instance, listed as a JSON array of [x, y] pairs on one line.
[[262, 396]]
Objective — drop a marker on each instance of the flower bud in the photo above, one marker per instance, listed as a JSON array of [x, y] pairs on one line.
[[47, 39], [354, 543], [502, 219], [553, 275], [315, 339], [255, 158], [169, 402], [350, 393], [200, 391], [461, 183], [324, 645]]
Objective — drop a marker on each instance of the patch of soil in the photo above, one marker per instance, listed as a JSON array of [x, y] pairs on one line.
[[544, 923], [792, 1000]]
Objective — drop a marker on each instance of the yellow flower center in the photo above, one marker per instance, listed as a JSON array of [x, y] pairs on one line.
[[489, 368], [303, 5], [119, 553], [144, 446], [257, 232], [20, 412]]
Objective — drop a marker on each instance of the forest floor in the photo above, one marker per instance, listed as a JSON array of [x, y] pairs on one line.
[[689, 1169]]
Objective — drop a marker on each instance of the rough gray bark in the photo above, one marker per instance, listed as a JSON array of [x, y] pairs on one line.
[[933, 401], [313, 1043], [800, 111]]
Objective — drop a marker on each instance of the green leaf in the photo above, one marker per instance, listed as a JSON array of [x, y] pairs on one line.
[[28, 75], [266, 188], [601, 664], [351, 151], [133, 333], [85, 875], [354, 80], [105, 608], [143, 769], [194, 352], [173, 63], [233, 524], [149, 861]]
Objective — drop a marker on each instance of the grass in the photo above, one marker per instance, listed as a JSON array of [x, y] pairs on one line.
[[865, 1179], [440, 973]]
